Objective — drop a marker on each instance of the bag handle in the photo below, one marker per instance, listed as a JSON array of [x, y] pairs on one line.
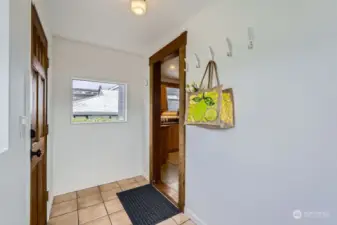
[[210, 68]]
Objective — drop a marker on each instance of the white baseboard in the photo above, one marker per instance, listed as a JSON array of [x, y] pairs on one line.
[[194, 217], [146, 175], [49, 206]]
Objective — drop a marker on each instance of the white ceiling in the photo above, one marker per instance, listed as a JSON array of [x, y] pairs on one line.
[[110, 23]]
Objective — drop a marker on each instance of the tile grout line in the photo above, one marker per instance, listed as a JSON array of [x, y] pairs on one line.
[[105, 205], [51, 217], [119, 185], [93, 204], [96, 205], [103, 202], [187, 221], [78, 210], [62, 214], [174, 220]]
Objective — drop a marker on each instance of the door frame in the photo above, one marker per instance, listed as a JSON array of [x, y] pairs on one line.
[[176, 46]]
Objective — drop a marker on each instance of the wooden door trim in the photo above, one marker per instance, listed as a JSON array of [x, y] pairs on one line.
[[36, 22], [170, 85], [169, 49], [176, 46], [38, 68]]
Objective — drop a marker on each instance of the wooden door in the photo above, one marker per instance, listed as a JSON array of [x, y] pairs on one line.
[[39, 128]]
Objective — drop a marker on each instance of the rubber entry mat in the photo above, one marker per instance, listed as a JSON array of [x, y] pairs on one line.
[[146, 206]]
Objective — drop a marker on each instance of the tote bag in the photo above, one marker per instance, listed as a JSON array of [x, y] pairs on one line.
[[210, 106], [204, 106]]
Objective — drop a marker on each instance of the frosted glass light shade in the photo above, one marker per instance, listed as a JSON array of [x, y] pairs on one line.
[[138, 7]]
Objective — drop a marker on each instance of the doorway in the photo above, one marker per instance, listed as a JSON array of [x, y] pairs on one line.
[[176, 50], [39, 127]]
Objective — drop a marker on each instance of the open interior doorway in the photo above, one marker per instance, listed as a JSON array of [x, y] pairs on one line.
[[167, 110], [169, 127]]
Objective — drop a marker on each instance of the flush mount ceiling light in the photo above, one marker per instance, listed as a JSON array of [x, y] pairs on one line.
[[172, 67], [138, 7]]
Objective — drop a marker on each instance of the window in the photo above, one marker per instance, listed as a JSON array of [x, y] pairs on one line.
[[172, 99], [98, 102]]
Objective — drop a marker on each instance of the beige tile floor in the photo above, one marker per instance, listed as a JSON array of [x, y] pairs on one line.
[[100, 206]]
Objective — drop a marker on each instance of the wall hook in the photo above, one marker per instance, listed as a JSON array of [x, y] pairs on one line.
[[250, 38], [198, 60], [212, 52], [186, 65], [230, 47]]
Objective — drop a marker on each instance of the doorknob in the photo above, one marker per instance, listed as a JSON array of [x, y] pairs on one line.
[[32, 134], [38, 153]]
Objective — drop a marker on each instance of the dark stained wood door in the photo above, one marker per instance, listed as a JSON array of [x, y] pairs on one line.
[[39, 127]]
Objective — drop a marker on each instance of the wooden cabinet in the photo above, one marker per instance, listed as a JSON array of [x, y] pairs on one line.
[[164, 131], [173, 138], [169, 141]]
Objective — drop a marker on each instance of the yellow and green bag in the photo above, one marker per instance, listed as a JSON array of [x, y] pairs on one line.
[[210, 107]]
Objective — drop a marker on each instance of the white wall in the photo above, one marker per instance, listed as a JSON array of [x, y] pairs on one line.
[[15, 163], [281, 155], [86, 155], [4, 74]]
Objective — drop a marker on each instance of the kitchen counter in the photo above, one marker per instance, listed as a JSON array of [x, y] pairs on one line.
[[169, 124]]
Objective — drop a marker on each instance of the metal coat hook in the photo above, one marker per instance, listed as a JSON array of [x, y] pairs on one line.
[[250, 38], [187, 66], [198, 60], [212, 52], [230, 47]]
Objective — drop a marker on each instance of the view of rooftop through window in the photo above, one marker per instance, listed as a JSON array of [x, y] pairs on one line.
[[98, 102]]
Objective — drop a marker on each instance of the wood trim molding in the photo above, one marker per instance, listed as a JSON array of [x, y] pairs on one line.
[[176, 46], [155, 114], [37, 67], [170, 85], [38, 25], [169, 49], [182, 130], [168, 80]]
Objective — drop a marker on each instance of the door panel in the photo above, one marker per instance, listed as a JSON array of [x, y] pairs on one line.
[[39, 123], [41, 108], [34, 103], [38, 162]]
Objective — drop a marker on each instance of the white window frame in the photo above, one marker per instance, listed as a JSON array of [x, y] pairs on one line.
[[100, 81], [167, 98]]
